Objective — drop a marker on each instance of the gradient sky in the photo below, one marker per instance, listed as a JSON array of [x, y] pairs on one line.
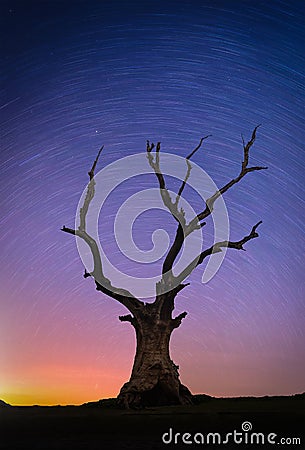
[[76, 75]]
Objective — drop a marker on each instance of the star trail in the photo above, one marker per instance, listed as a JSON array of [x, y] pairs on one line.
[[79, 75]]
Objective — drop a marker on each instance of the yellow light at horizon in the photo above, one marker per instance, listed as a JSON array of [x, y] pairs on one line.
[[57, 385]]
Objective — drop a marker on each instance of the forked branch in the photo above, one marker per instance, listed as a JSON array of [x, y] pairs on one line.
[[103, 284], [189, 167], [244, 170], [216, 248], [183, 229], [173, 206], [165, 195]]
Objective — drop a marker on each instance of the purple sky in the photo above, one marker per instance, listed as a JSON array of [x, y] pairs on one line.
[[76, 75]]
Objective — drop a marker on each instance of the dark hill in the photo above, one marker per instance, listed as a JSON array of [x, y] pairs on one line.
[[102, 426], [4, 404]]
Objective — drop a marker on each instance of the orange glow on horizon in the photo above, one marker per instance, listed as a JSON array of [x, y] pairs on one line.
[[58, 385]]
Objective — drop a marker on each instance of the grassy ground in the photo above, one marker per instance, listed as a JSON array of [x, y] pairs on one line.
[[102, 426]]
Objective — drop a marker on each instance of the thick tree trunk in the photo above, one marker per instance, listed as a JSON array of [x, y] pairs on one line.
[[154, 379]]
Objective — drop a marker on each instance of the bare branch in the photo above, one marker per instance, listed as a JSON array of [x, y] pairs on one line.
[[128, 318], [216, 248], [121, 295], [247, 148], [244, 170], [188, 173], [180, 233], [91, 172], [189, 167], [174, 291], [90, 193], [180, 287], [86, 274], [177, 213], [155, 165], [176, 322], [68, 230], [243, 139], [198, 146], [173, 251], [103, 284], [253, 169]]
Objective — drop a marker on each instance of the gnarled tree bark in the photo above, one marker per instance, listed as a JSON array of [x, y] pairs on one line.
[[155, 378]]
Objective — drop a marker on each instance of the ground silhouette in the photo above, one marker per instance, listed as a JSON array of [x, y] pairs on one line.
[[103, 426]]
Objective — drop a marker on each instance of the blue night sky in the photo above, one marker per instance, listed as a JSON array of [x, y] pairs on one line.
[[77, 75]]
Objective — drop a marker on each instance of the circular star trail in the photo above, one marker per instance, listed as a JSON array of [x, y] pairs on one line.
[[78, 75]]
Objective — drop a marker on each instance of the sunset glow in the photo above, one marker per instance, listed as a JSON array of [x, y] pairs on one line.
[[116, 74]]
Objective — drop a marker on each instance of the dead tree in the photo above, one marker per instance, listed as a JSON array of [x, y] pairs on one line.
[[155, 378]]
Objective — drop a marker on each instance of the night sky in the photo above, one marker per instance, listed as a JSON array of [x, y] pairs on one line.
[[77, 75]]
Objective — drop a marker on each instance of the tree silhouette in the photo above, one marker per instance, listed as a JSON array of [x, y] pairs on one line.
[[155, 378]]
